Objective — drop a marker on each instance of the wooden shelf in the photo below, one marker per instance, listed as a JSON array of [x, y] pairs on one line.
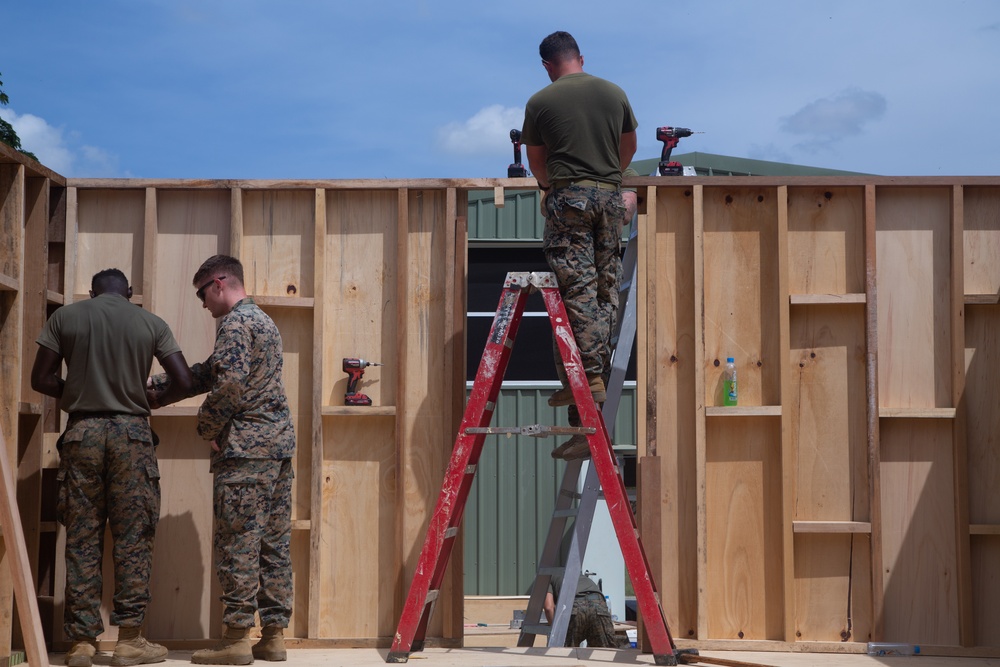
[[982, 299], [29, 408], [984, 529], [284, 301], [744, 411], [917, 413], [301, 524], [9, 284], [831, 527], [825, 299], [54, 297], [359, 411]]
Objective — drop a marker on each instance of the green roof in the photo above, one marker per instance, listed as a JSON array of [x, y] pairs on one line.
[[709, 164]]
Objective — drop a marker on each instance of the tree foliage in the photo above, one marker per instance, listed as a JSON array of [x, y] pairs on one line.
[[7, 133]]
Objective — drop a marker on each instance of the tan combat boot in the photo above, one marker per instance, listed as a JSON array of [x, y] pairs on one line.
[[234, 649], [565, 395], [133, 649], [82, 653], [271, 645]]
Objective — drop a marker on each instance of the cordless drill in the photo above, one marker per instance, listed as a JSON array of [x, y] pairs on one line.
[[517, 169], [670, 136], [355, 369]]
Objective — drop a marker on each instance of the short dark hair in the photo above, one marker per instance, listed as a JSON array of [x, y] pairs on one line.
[[217, 265], [109, 280], [558, 46]]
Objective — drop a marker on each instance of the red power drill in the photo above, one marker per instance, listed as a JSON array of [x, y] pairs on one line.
[[670, 136], [355, 369], [517, 169]]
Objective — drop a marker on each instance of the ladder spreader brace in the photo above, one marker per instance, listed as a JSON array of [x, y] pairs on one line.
[[442, 530]]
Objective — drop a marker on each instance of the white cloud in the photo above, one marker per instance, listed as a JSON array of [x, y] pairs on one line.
[[842, 115], [53, 150], [485, 133]]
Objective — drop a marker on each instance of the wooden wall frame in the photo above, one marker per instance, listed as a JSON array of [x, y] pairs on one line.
[[849, 496]]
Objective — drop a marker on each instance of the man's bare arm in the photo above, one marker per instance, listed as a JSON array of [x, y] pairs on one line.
[[45, 372], [626, 149], [537, 156], [181, 382]]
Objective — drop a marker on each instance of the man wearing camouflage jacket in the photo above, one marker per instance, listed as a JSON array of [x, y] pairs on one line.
[[247, 418]]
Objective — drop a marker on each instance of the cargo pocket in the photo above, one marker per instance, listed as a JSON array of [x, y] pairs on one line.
[[236, 505], [153, 495], [62, 492]]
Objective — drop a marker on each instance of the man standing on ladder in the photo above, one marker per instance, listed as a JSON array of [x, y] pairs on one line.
[[579, 135]]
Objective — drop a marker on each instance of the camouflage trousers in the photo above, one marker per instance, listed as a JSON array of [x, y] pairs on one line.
[[582, 244], [108, 474], [591, 621], [253, 532]]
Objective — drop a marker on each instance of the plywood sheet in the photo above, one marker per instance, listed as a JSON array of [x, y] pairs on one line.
[[191, 227], [110, 224], [918, 531], [827, 412], [826, 240], [674, 410], [985, 550], [278, 240], [982, 396], [833, 601], [184, 586], [358, 550], [360, 309], [981, 236], [744, 531], [913, 248], [741, 295]]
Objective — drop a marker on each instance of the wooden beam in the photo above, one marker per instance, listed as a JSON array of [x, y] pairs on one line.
[[24, 587]]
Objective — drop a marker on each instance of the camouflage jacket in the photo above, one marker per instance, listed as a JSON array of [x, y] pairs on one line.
[[246, 411]]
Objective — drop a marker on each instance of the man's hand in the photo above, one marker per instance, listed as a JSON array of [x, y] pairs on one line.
[[631, 199]]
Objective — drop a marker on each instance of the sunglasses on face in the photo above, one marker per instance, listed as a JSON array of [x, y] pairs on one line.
[[201, 290]]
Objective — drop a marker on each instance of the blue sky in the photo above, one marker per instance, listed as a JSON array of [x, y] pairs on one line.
[[310, 89]]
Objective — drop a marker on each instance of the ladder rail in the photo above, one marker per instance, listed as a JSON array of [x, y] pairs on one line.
[[450, 506]]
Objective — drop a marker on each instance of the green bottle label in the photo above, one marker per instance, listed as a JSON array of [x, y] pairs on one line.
[[729, 393]]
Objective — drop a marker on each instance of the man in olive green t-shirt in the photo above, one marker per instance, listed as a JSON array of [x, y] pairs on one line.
[[579, 135], [108, 472]]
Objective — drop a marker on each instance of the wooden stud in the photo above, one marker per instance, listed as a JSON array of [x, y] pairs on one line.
[[871, 392]]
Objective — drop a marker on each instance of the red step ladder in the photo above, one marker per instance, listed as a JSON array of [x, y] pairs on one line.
[[447, 517]]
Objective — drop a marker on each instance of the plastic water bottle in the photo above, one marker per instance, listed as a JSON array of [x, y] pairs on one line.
[[888, 649], [729, 386]]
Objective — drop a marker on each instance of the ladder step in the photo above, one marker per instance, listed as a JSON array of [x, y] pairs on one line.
[[534, 430], [431, 596], [451, 532], [553, 570], [536, 629], [563, 514]]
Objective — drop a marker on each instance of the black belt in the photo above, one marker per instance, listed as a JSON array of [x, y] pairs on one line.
[[101, 415], [585, 182]]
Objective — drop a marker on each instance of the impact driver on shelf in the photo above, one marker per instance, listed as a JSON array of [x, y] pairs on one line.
[[355, 369]]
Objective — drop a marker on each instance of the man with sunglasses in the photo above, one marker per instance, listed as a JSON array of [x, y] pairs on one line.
[[247, 418], [108, 472], [579, 135]]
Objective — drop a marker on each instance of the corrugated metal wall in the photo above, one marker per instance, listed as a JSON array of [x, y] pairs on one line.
[[512, 498], [520, 219]]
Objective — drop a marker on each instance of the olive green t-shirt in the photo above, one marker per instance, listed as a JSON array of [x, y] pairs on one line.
[[580, 119], [108, 344]]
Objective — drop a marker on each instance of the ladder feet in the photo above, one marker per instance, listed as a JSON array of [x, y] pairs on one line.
[[402, 656], [665, 659]]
